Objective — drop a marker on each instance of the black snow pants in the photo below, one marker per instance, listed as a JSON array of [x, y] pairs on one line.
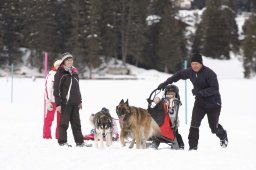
[[70, 113], [179, 139], [198, 114]]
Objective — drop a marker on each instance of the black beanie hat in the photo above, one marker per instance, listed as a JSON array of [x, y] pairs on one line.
[[197, 58]]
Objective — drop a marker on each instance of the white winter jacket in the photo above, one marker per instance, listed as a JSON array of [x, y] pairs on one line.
[[49, 86]]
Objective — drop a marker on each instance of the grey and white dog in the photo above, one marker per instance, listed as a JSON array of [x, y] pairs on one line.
[[102, 122]]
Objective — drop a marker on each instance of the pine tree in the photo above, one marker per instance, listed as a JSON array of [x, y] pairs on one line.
[[108, 28], [136, 34], [170, 40], [220, 29], [64, 19], [11, 25], [2, 57], [229, 14], [198, 38], [198, 4], [125, 21], [93, 35], [150, 56], [77, 30], [249, 47], [40, 30], [253, 4]]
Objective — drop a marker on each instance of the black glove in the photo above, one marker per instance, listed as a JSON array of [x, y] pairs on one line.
[[161, 86], [149, 101], [195, 92]]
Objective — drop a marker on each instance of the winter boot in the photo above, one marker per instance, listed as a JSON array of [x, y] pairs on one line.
[[192, 148], [181, 147], [155, 144], [222, 134], [83, 144], [65, 145], [224, 142]]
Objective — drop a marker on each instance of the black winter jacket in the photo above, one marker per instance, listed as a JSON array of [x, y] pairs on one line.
[[66, 87], [206, 86]]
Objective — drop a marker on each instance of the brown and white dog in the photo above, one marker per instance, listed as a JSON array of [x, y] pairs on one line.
[[136, 123], [102, 122]]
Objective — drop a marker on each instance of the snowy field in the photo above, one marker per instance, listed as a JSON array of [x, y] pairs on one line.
[[21, 126]]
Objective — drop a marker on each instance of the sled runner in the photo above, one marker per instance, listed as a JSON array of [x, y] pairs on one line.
[[165, 113]]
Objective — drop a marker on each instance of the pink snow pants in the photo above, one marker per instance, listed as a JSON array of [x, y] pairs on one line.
[[48, 123]]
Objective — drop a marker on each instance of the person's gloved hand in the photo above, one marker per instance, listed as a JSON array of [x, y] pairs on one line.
[[149, 101], [195, 92], [49, 105], [161, 86]]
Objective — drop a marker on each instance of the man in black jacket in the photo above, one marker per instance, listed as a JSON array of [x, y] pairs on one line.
[[68, 101], [207, 99]]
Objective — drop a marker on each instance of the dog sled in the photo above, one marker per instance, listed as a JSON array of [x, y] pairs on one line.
[[165, 112]]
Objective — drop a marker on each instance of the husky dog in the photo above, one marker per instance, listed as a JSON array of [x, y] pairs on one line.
[[102, 122], [136, 123]]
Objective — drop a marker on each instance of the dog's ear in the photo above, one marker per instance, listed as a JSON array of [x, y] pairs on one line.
[[122, 101], [105, 110], [127, 102]]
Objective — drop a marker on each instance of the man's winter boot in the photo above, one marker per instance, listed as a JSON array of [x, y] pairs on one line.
[[192, 148], [224, 142], [224, 139]]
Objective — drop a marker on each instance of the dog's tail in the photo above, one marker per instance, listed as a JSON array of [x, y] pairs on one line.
[[154, 128]]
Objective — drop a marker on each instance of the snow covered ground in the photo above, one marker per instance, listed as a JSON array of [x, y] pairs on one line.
[[21, 126]]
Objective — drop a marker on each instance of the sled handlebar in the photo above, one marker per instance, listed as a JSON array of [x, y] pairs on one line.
[[149, 99]]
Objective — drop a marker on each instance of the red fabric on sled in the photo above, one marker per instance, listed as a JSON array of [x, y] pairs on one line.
[[89, 137], [165, 127]]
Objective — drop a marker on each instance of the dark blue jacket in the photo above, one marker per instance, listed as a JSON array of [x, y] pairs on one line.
[[206, 86]]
